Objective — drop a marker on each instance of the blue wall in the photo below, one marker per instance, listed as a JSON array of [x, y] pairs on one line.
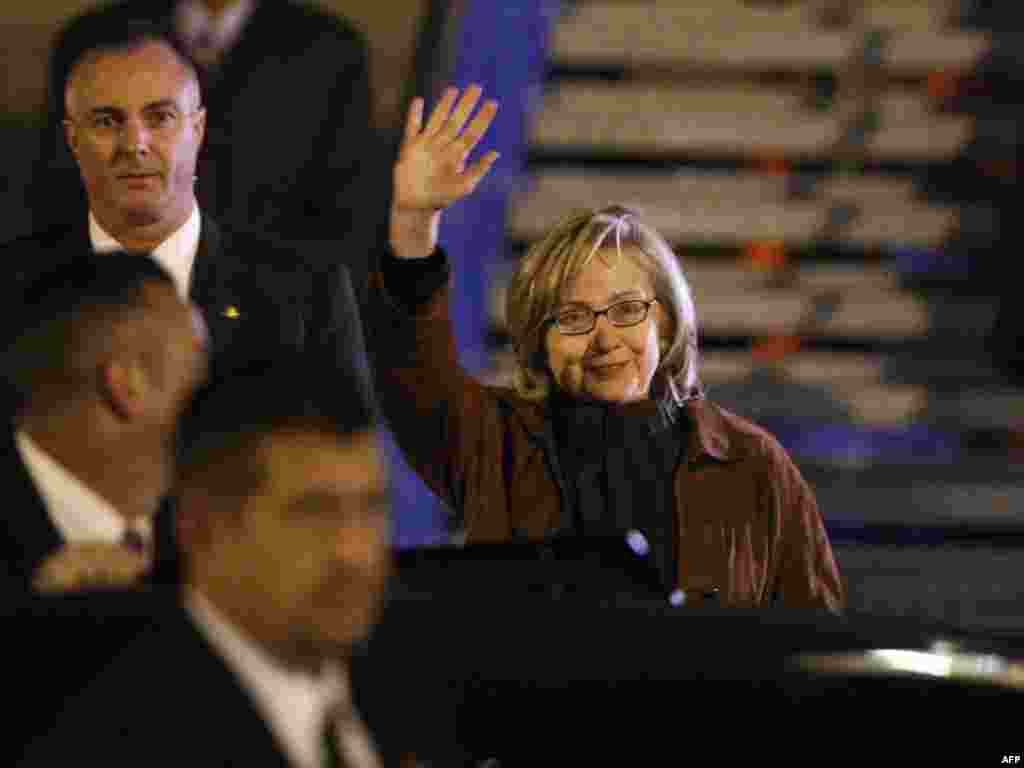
[[503, 49]]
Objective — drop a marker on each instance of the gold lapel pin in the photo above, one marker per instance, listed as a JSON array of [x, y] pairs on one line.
[[231, 312]]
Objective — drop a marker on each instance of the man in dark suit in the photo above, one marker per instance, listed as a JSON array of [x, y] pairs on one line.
[[283, 520], [135, 126], [290, 148], [102, 365]]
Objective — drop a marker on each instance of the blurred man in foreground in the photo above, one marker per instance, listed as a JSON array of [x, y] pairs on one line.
[[284, 528], [102, 366]]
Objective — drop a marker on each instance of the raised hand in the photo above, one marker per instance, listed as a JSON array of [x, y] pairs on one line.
[[431, 172]]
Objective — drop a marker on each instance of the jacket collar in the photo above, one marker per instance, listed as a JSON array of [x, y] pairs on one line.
[[709, 434], [211, 245]]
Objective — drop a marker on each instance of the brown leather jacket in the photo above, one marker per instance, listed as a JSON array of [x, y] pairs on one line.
[[747, 521]]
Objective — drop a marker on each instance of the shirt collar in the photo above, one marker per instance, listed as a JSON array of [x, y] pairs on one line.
[[710, 433], [294, 703], [176, 254], [78, 512]]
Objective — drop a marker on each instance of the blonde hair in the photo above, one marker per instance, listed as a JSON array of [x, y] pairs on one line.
[[536, 288]]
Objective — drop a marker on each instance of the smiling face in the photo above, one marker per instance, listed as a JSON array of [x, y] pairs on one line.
[[609, 363], [135, 127]]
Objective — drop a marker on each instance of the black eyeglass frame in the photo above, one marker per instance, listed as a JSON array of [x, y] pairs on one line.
[[596, 313]]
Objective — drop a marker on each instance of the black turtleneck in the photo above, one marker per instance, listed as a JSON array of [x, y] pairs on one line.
[[618, 461]]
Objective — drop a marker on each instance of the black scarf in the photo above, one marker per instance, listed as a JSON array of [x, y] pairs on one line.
[[618, 462]]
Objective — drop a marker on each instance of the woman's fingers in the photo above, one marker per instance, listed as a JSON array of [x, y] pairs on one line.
[[414, 120], [476, 172], [479, 125], [434, 164], [440, 114], [450, 118], [458, 119]]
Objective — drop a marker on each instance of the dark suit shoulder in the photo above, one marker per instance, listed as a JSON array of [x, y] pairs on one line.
[[315, 21], [243, 251], [27, 535], [186, 684], [27, 258], [50, 237], [113, 11], [318, 42], [290, 20], [247, 251]]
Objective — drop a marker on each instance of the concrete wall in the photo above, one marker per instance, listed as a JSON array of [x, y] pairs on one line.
[[27, 29]]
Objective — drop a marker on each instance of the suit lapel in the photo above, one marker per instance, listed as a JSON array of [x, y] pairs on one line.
[[77, 238], [220, 285], [184, 685], [246, 737], [29, 534], [204, 278], [210, 287], [46, 253], [253, 302]]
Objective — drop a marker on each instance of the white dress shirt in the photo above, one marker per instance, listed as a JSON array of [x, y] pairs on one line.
[[293, 703], [79, 513], [176, 254]]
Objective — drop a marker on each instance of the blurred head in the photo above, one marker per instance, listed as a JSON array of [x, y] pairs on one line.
[[283, 511], [109, 339], [217, 6], [599, 309], [135, 123]]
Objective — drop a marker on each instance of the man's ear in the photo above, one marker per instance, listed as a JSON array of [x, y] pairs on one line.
[[200, 125], [125, 386]]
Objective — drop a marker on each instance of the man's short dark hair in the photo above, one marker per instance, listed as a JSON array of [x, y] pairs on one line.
[[229, 416], [98, 37], [69, 308]]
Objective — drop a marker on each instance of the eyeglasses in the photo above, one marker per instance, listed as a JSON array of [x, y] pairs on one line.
[[582, 319]]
